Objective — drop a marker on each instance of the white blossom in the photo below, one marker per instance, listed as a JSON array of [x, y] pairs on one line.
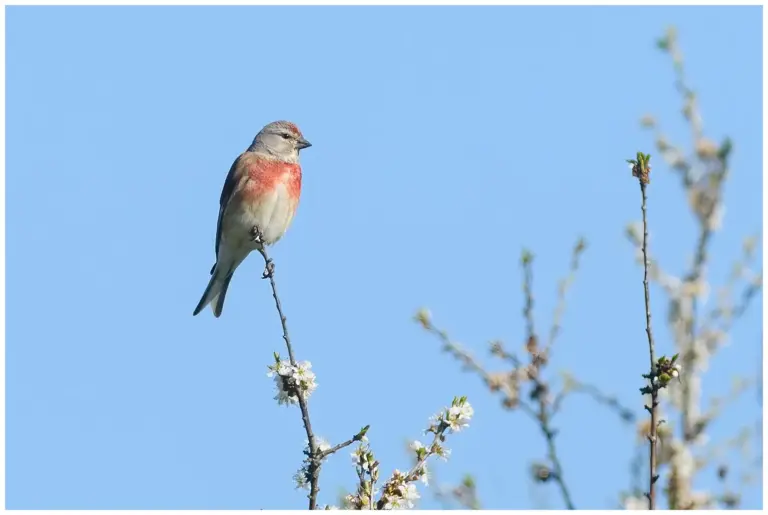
[[459, 416], [403, 494], [391, 503], [443, 453], [322, 444], [300, 478], [424, 475], [289, 380], [359, 457], [410, 494], [350, 501], [416, 445], [435, 421]]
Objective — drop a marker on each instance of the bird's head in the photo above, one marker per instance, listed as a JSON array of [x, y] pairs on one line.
[[282, 139]]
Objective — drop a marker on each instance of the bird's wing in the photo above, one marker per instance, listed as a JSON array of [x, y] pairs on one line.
[[237, 172]]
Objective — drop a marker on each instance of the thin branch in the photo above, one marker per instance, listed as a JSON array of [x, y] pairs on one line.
[[541, 389], [362, 485], [697, 334], [731, 312], [314, 460], [708, 189], [413, 473], [492, 381], [371, 500], [688, 355], [526, 260], [598, 396], [509, 383], [549, 435], [563, 287], [358, 437], [746, 297], [670, 284], [398, 488], [641, 170]]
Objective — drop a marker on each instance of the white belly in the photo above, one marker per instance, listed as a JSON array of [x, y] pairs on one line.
[[272, 214]]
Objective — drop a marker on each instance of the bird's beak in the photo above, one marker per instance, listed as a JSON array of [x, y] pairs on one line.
[[303, 144]]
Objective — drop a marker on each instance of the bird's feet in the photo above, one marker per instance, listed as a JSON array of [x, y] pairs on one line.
[[269, 269], [257, 236]]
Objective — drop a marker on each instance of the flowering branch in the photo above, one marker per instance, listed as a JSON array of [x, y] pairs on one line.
[[509, 384], [400, 491], [367, 468], [294, 380]]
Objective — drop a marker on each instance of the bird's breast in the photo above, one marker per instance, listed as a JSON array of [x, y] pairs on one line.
[[271, 204], [263, 179]]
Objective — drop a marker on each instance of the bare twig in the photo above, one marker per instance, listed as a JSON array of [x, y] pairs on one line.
[[358, 437], [576, 386], [540, 392], [509, 383], [669, 283], [549, 435], [562, 289], [746, 297], [526, 260], [502, 383], [641, 169], [313, 458], [728, 311]]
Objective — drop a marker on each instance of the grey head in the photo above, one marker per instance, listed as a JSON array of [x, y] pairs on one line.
[[281, 139]]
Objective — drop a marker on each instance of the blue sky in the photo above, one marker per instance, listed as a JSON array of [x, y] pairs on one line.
[[445, 141]]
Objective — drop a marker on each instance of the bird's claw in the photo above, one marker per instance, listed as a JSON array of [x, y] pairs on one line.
[[258, 238], [256, 235], [269, 269]]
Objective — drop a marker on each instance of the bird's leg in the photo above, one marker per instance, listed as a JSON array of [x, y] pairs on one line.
[[269, 266], [256, 235]]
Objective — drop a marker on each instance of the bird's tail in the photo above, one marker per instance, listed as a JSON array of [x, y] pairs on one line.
[[216, 290]]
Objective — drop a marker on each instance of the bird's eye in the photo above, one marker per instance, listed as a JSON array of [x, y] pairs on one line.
[[285, 136]]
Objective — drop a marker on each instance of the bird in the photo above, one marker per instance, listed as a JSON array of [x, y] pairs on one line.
[[257, 204]]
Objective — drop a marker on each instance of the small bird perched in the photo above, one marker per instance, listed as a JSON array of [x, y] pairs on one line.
[[258, 201]]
